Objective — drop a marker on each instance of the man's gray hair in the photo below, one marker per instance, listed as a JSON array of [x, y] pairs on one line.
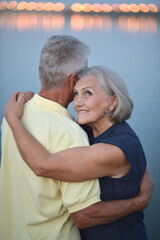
[[61, 56], [112, 84]]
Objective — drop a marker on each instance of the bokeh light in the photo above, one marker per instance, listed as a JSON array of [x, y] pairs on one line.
[[77, 7], [124, 7], [87, 7], [48, 6], [152, 8], [3, 5], [116, 8], [12, 5], [21, 5], [133, 8], [100, 18], [106, 7], [96, 7]]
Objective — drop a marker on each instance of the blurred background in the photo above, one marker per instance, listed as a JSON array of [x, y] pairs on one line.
[[125, 37]]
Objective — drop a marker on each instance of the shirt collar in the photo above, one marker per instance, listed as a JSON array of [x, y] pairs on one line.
[[51, 106]]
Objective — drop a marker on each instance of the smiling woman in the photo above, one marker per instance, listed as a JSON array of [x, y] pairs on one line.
[[100, 88], [115, 156], [90, 102]]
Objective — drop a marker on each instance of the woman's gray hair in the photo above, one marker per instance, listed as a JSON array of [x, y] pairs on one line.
[[112, 84], [61, 56]]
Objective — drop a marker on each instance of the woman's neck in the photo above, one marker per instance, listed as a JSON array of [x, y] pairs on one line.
[[99, 128]]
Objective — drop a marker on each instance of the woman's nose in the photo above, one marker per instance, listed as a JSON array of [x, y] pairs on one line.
[[78, 101]]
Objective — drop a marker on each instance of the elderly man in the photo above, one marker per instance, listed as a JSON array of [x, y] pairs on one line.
[[37, 208]]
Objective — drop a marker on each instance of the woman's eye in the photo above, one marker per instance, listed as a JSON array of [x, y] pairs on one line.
[[88, 93], [75, 94]]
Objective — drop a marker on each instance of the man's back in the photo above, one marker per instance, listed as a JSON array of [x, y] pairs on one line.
[[33, 207]]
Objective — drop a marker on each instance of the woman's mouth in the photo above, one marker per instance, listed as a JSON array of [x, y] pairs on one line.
[[82, 111]]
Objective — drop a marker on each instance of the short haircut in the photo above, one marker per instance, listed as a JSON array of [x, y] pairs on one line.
[[61, 56], [112, 84]]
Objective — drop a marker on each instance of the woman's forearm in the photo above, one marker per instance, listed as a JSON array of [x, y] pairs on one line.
[[72, 165], [59, 166]]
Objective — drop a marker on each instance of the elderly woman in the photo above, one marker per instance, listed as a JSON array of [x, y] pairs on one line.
[[116, 157]]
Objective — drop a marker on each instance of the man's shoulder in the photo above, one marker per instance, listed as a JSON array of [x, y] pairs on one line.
[[54, 123], [70, 131], [72, 128]]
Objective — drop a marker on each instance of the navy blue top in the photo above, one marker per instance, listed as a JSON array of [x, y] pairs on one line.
[[130, 227]]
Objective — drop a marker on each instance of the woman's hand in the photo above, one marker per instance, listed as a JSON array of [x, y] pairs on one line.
[[14, 108], [27, 95]]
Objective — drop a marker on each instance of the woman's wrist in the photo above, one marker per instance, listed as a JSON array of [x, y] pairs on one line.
[[14, 122]]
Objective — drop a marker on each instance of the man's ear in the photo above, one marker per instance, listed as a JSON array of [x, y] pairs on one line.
[[72, 79], [114, 103]]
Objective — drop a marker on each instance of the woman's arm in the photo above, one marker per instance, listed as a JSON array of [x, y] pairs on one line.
[[75, 164]]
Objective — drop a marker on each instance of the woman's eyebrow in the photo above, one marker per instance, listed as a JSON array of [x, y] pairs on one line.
[[86, 87], [83, 88]]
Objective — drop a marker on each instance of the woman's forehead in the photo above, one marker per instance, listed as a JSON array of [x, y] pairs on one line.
[[90, 81]]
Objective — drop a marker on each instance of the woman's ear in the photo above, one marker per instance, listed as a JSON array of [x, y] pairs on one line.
[[113, 103]]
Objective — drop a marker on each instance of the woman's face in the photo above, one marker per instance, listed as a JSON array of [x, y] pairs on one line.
[[90, 102]]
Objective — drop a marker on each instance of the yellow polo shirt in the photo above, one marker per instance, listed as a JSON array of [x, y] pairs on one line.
[[34, 207]]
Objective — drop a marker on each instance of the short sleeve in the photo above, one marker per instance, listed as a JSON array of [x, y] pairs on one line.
[[132, 148], [76, 196]]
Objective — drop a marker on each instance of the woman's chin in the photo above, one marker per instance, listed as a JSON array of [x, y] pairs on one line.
[[81, 121]]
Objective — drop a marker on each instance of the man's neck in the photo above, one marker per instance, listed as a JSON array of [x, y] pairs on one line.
[[59, 96]]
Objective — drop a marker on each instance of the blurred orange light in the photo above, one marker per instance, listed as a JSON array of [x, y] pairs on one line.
[[11, 22], [124, 7], [133, 24], [30, 6], [143, 7], [122, 23], [50, 21], [87, 7], [32, 21], [59, 7], [47, 22], [48, 6], [88, 22], [96, 7], [106, 7], [77, 7], [58, 21], [21, 6], [3, 5], [134, 8], [39, 6], [152, 25], [107, 23], [152, 8], [77, 22], [98, 22], [116, 7], [2, 19], [143, 24], [22, 21], [12, 5]]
